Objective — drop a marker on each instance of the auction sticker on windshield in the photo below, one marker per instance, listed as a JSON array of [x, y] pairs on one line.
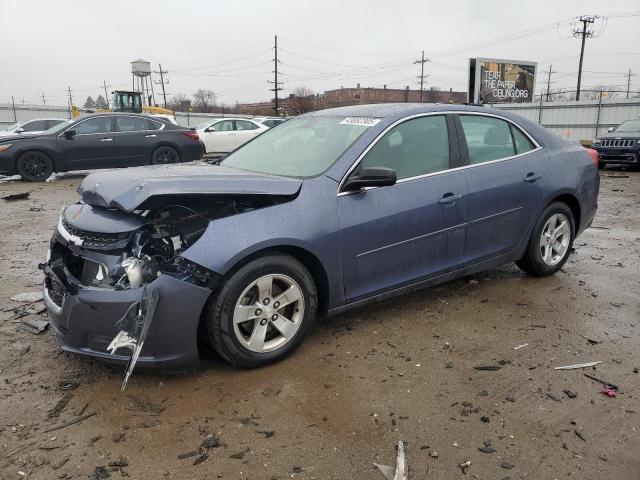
[[365, 121]]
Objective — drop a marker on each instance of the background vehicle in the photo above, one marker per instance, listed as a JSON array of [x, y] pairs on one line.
[[129, 102], [226, 134], [270, 121], [330, 211], [32, 127], [621, 145], [104, 140]]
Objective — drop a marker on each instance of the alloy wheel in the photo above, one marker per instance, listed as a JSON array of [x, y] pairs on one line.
[[36, 164], [555, 238], [268, 313], [165, 155]]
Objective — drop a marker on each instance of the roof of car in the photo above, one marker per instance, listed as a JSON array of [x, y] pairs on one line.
[[381, 110]]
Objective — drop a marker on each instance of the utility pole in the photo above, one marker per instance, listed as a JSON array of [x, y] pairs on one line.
[[106, 95], [629, 75], [584, 33], [13, 104], [44, 101], [551, 70], [70, 97], [276, 83], [161, 72], [422, 61]]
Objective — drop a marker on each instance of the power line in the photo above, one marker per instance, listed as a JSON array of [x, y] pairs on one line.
[[550, 71], [276, 82], [584, 33]]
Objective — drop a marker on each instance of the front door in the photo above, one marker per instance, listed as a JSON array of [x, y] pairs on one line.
[[92, 146], [505, 176], [219, 137], [401, 234]]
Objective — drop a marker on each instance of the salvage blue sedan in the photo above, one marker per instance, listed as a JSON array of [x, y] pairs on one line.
[[331, 210]]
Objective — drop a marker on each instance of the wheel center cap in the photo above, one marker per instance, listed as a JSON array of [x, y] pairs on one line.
[[268, 310]]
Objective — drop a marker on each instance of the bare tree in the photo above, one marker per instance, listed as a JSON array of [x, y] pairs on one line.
[[302, 100], [179, 102], [204, 98]]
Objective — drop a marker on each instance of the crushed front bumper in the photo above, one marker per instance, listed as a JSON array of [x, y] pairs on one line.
[[84, 318]]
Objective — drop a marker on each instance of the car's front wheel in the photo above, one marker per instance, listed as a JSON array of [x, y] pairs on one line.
[[164, 154], [551, 241], [34, 166], [263, 311]]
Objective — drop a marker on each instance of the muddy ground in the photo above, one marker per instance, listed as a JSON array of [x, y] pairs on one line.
[[399, 370]]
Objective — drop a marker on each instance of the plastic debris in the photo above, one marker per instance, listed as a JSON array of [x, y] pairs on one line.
[[400, 470], [603, 382], [16, 196], [27, 297], [578, 365], [518, 347], [34, 325], [610, 392], [464, 466], [489, 368], [68, 384]]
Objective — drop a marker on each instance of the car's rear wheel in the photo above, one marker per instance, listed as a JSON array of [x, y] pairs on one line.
[[551, 241], [164, 154], [263, 311]]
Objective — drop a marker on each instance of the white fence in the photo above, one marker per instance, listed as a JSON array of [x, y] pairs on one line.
[[10, 115], [583, 120]]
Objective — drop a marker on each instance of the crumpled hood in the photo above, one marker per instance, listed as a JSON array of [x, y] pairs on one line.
[[127, 189]]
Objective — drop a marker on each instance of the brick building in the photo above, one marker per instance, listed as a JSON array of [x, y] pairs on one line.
[[355, 96]]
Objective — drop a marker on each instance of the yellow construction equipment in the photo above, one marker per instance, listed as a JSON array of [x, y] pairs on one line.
[[127, 101]]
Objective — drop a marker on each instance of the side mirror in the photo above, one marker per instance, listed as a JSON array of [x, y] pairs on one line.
[[210, 129], [610, 129], [19, 130], [70, 134], [371, 177]]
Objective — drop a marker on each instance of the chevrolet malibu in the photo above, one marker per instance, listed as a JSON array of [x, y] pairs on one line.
[[331, 210]]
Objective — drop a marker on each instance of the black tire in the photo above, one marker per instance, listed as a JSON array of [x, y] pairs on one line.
[[34, 166], [219, 316], [532, 261], [164, 154]]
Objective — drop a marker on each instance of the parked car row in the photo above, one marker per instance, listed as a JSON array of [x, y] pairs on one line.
[[31, 127], [104, 140], [327, 212]]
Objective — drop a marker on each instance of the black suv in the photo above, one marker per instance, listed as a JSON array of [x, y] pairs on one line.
[[621, 145]]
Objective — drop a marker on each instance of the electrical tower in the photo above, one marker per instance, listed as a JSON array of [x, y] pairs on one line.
[[276, 83], [422, 61], [162, 82], [583, 32]]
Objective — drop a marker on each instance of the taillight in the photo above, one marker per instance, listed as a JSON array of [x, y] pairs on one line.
[[192, 135], [594, 155]]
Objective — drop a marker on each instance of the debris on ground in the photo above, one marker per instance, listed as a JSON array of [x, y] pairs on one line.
[[16, 196], [553, 397], [507, 465], [27, 297], [98, 473], [570, 394], [518, 347], [400, 471], [489, 368], [610, 392], [68, 384], [487, 448], [211, 442], [463, 466], [200, 458], [510, 398], [591, 340], [34, 325], [580, 435], [62, 403], [578, 365], [603, 382], [240, 455]]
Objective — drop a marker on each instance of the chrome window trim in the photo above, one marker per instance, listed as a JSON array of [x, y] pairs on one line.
[[537, 148]]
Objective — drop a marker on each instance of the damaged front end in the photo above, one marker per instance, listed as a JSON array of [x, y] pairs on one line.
[[117, 286]]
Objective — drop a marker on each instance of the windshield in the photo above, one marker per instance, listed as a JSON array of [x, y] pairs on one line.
[[12, 127], [629, 126], [302, 147], [58, 128], [204, 125]]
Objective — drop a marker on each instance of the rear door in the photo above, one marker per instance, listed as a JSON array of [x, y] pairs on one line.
[[220, 138], [506, 174], [135, 139], [91, 147], [401, 234], [245, 131]]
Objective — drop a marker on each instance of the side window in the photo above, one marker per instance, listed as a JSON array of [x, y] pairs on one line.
[[245, 125], [93, 125], [131, 124], [488, 138], [53, 123], [412, 148], [224, 126], [154, 125], [35, 126], [523, 144]]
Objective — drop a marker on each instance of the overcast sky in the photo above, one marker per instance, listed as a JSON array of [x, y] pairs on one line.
[[227, 46]]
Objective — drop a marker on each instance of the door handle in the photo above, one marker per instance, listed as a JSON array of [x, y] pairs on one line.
[[450, 198], [153, 135], [106, 139], [532, 177]]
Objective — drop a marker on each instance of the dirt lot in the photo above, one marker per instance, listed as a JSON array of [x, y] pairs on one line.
[[400, 370]]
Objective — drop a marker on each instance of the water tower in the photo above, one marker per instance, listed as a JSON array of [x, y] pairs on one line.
[[141, 71]]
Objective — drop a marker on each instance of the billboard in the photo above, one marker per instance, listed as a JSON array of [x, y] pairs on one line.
[[492, 80]]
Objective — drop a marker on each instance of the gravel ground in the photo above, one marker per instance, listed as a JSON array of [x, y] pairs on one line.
[[399, 370]]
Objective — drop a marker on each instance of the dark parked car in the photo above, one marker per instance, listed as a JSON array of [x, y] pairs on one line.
[[620, 145], [104, 140], [329, 211]]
